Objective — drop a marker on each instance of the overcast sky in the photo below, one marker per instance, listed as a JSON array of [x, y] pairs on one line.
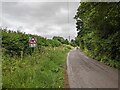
[[46, 19]]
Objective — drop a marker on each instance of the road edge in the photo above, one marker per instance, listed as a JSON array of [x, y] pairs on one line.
[[66, 81]]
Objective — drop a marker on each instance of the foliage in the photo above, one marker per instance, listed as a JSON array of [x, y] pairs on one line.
[[58, 38], [73, 43], [42, 69], [99, 30], [61, 39], [66, 42], [14, 42]]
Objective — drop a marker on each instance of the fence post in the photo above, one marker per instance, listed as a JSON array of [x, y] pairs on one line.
[[21, 54]]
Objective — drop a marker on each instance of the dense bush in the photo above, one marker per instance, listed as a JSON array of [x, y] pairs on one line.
[[61, 40], [13, 43], [98, 28]]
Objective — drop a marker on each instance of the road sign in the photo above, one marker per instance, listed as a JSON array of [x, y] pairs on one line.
[[32, 41]]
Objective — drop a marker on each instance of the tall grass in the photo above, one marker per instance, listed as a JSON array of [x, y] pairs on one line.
[[104, 59], [43, 69]]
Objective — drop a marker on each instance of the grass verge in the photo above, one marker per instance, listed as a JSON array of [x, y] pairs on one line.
[[43, 69], [103, 58]]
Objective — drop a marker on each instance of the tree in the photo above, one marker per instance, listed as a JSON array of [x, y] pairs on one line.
[[73, 43], [66, 41], [98, 29], [58, 38]]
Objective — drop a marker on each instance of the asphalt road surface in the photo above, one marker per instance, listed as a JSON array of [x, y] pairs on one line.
[[84, 72]]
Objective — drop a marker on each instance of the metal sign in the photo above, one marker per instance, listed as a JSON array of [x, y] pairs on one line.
[[32, 41]]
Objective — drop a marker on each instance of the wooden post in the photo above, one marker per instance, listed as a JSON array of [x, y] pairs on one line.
[[21, 54]]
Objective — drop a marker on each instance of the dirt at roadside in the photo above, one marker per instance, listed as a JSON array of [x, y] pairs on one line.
[[66, 83]]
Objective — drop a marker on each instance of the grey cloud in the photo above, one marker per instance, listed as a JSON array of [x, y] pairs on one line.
[[45, 19]]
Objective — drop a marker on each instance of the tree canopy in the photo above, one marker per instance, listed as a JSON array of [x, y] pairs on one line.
[[98, 28], [61, 39]]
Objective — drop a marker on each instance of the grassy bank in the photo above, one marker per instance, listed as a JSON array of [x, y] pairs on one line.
[[43, 69], [103, 58]]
